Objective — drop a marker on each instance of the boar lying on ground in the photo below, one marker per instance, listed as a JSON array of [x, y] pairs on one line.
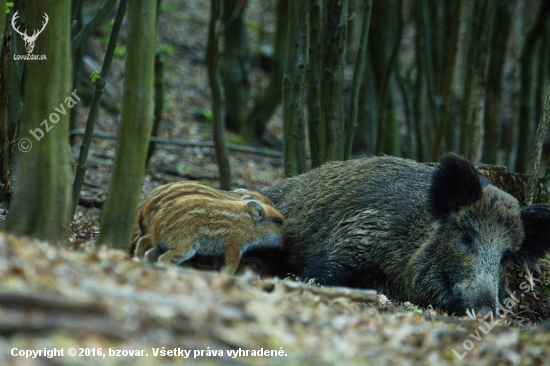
[[428, 235], [180, 220]]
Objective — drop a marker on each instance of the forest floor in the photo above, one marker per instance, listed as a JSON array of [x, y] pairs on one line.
[[111, 309]]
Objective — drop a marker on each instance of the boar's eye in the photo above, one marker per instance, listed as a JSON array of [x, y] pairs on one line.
[[277, 221], [467, 241]]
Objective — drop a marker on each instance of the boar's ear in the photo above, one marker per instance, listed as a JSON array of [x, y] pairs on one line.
[[256, 211], [536, 226], [454, 184]]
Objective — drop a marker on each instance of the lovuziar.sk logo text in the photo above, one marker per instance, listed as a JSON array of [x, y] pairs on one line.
[[29, 40]]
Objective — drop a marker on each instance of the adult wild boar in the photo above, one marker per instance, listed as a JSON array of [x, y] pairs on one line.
[[428, 235]]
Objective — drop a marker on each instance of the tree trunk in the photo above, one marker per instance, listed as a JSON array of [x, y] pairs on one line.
[[265, 104], [315, 123], [2, 23], [429, 59], [41, 203], [501, 31], [217, 96], [524, 121], [332, 80], [5, 45], [78, 63], [92, 115], [388, 131], [293, 90], [91, 26], [450, 48], [233, 69], [358, 75], [473, 109], [534, 171], [119, 212], [158, 101]]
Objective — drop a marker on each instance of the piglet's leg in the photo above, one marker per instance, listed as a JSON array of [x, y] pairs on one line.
[[143, 244], [232, 258], [175, 256]]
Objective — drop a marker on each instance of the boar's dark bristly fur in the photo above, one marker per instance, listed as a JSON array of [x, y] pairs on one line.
[[428, 235]]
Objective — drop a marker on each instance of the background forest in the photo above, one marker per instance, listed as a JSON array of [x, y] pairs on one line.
[[243, 93], [404, 78]]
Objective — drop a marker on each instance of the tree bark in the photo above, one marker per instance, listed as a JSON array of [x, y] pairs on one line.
[[119, 213], [524, 121], [293, 90], [41, 203], [388, 131], [92, 116], [534, 170], [332, 80], [473, 108], [91, 26], [233, 69], [158, 101], [217, 96], [265, 104], [358, 75], [315, 123], [501, 32], [78, 63], [450, 49]]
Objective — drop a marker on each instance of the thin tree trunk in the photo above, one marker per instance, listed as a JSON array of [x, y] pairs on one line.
[[265, 104], [542, 72], [534, 170], [293, 90], [119, 212], [419, 124], [471, 132], [158, 101], [501, 32], [2, 23], [41, 203], [92, 116], [233, 68], [158, 85], [91, 26], [315, 123], [387, 139], [524, 121], [15, 75], [332, 81], [4, 136], [365, 134], [78, 63], [358, 75], [217, 96], [450, 49], [428, 57]]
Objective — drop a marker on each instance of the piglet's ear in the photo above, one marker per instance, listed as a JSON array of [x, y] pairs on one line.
[[536, 225], [454, 184], [256, 211]]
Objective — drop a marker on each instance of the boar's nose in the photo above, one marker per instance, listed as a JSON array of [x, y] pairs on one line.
[[477, 298], [486, 303]]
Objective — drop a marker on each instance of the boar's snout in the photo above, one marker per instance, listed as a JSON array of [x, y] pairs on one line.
[[476, 297]]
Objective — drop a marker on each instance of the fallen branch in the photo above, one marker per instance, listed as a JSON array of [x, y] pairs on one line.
[[330, 292], [49, 303], [16, 322], [160, 140], [90, 202]]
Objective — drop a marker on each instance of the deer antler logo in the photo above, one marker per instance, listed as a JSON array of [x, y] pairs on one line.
[[29, 40]]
